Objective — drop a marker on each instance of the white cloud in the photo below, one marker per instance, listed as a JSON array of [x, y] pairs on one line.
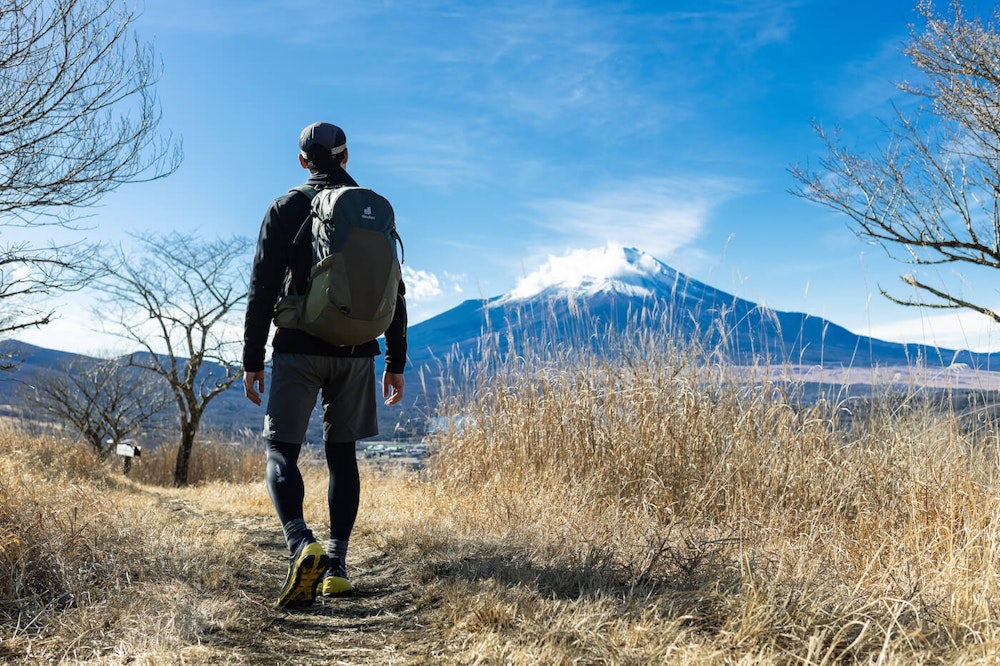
[[956, 330], [658, 216], [426, 286], [578, 267], [420, 285]]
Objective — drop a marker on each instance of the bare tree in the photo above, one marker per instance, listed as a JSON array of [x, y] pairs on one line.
[[28, 273], [930, 197], [78, 118], [176, 298], [104, 400]]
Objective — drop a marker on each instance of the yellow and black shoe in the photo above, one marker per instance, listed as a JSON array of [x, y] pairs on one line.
[[335, 582], [305, 567]]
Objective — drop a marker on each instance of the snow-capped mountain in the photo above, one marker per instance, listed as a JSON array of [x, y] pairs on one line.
[[594, 291], [586, 273]]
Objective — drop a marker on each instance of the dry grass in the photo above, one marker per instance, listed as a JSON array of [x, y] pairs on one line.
[[725, 515], [210, 461], [95, 567], [652, 509]]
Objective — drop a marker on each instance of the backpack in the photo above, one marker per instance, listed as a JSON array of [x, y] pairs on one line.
[[351, 295]]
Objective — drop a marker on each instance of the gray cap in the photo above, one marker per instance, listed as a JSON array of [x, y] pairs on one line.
[[324, 135]]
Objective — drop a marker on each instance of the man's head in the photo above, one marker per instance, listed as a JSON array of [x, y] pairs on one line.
[[321, 146]]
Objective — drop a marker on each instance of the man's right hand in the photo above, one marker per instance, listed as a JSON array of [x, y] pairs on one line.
[[392, 387], [253, 385]]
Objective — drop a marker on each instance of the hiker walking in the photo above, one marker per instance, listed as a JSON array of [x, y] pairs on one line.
[[322, 345]]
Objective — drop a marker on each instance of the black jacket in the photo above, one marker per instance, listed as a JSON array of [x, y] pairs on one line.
[[277, 262]]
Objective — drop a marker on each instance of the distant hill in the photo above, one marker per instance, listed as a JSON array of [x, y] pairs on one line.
[[592, 295], [225, 412], [19, 353]]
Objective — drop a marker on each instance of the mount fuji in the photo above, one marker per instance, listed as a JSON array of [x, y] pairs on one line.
[[595, 291]]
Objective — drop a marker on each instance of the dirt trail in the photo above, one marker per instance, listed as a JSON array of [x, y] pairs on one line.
[[378, 624]]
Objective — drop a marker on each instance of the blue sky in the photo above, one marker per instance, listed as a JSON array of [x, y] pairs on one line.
[[511, 132]]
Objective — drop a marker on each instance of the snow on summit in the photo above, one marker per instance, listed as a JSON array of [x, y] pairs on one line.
[[624, 270]]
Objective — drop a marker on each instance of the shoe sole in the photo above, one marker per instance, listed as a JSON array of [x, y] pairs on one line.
[[334, 586], [301, 590]]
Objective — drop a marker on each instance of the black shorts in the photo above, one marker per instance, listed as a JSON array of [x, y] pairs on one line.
[[347, 387]]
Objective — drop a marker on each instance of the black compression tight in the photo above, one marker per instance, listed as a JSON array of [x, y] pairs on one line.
[[284, 484], [344, 492]]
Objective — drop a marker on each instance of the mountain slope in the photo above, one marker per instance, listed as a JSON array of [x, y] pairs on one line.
[[591, 292]]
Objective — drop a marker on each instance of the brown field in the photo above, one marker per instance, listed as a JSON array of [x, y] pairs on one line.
[[577, 511]]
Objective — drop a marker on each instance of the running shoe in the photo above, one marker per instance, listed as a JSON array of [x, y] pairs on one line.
[[335, 581], [305, 567]]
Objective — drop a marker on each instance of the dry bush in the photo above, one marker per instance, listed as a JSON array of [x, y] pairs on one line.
[[653, 506]]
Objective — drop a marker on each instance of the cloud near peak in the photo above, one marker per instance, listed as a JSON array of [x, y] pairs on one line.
[[582, 266], [658, 216]]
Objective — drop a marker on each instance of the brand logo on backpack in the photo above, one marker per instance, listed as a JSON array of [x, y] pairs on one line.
[[351, 297]]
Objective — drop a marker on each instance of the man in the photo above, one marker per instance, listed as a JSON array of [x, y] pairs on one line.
[[302, 366]]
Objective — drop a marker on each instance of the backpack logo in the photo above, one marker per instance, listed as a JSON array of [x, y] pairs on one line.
[[367, 213]]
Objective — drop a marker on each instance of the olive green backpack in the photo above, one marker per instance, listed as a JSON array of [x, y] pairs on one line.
[[351, 294]]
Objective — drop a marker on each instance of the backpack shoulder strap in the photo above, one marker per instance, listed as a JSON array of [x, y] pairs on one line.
[[310, 192], [307, 190]]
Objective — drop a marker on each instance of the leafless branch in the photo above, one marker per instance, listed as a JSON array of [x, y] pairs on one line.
[[29, 274], [931, 195], [79, 117], [78, 111], [102, 399]]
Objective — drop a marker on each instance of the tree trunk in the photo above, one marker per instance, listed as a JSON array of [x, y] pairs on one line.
[[188, 431], [97, 442]]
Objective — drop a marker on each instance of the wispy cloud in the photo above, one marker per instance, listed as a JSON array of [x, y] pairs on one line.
[[734, 26], [658, 216], [439, 154], [955, 330], [291, 21], [867, 88], [601, 67], [455, 89], [541, 61]]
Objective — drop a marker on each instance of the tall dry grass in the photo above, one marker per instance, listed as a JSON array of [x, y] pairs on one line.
[[96, 569], [719, 501]]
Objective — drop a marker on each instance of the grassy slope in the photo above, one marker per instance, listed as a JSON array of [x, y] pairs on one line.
[[647, 512]]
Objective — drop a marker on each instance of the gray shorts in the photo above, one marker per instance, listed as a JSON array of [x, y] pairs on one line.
[[347, 386]]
